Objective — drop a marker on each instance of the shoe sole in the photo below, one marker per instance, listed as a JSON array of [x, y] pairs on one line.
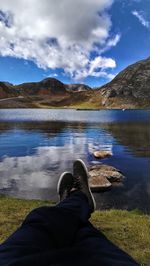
[[90, 197]]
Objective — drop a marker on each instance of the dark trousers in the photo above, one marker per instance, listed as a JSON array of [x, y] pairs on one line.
[[61, 235]]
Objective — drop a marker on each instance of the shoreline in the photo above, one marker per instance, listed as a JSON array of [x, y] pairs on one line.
[[77, 109]]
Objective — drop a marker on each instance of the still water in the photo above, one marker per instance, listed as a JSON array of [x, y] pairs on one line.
[[37, 145]]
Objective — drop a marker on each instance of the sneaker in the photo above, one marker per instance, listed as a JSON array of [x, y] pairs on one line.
[[81, 176], [65, 184]]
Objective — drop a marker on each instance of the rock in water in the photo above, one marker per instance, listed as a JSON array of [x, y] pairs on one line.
[[99, 183], [102, 154], [101, 177]]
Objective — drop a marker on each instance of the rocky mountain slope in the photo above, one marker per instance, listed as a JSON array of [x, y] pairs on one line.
[[47, 86], [129, 89], [6, 91], [49, 92], [132, 86], [77, 87]]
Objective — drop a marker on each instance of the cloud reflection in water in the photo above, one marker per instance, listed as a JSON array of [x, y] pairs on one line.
[[33, 155], [20, 175]]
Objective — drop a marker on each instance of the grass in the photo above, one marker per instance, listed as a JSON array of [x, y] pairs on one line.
[[12, 213], [129, 230], [86, 105], [83, 105]]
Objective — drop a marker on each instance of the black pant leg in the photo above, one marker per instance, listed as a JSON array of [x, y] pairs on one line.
[[100, 249], [46, 228]]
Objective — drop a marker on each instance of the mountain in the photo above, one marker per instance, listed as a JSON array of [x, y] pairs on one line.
[[47, 86], [131, 87], [6, 90], [49, 92], [77, 87]]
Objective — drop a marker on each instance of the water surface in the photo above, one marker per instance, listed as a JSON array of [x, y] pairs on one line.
[[37, 145]]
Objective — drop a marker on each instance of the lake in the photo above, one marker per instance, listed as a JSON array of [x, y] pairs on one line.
[[37, 145]]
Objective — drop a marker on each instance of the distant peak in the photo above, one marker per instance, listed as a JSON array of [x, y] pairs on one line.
[[51, 80]]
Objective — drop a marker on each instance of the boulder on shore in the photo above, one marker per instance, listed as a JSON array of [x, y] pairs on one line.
[[102, 154], [101, 177]]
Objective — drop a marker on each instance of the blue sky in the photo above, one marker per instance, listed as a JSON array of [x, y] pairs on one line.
[[76, 41]]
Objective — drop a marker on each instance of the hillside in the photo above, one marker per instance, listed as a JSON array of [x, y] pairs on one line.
[[7, 90], [47, 86], [77, 87], [49, 92], [129, 89]]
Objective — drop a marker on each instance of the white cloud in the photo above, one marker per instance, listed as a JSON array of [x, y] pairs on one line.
[[56, 34], [102, 63], [54, 75], [141, 18], [113, 42], [97, 68], [110, 43]]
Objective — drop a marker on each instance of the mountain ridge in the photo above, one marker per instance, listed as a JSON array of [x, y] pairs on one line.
[[129, 89]]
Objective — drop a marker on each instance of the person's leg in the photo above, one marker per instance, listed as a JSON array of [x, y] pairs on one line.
[[65, 225], [47, 228], [100, 249], [103, 251]]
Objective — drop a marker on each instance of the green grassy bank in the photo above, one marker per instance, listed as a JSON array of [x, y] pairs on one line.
[[129, 230]]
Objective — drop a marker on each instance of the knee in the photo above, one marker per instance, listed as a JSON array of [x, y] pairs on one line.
[[37, 215]]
